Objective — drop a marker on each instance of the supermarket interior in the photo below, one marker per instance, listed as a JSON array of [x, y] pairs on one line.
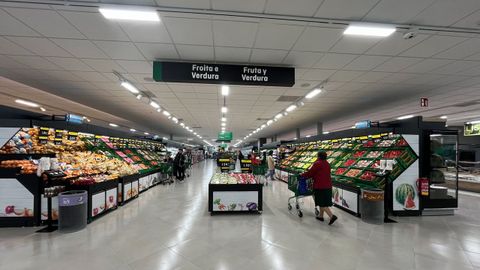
[[222, 134]]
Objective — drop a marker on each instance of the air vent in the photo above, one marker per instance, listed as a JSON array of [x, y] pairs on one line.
[[288, 98], [466, 104]]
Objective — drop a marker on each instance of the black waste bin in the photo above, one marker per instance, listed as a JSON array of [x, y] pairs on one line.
[[72, 210], [372, 205]]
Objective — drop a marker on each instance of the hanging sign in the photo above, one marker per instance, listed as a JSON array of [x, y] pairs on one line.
[[423, 102], [225, 136], [472, 129], [223, 74]]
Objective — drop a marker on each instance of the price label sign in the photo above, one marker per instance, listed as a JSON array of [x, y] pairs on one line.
[[42, 139], [58, 141], [58, 134], [72, 136], [44, 131]]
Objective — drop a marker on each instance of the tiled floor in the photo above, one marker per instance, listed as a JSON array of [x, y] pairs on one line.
[[170, 228]]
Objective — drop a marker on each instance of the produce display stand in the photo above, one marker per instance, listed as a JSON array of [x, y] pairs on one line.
[[358, 157], [235, 198], [128, 188]]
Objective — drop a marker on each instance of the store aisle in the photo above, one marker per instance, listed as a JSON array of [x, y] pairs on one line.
[[169, 227]]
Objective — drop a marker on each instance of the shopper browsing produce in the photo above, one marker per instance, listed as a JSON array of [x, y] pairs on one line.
[[271, 166], [322, 186]]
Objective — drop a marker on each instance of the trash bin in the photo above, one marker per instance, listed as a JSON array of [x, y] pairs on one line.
[[72, 210], [372, 205]]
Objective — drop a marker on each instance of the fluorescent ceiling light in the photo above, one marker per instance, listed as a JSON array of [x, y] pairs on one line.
[[295, 138], [225, 90], [26, 103], [278, 116], [443, 117], [224, 109], [139, 96], [313, 93], [130, 87], [371, 30], [113, 125], [224, 124], [269, 122], [224, 119], [133, 130], [146, 133], [169, 117], [474, 122], [43, 109], [174, 119], [159, 110], [154, 104], [263, 126], [291, 108], [406, 117], [182, 124], [190, 130], [130, 15], [164, 138], [308, 136], [166, 113], [326, 132], [194, 133]]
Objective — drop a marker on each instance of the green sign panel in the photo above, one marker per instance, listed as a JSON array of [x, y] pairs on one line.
[[225, 136], [472, 129]]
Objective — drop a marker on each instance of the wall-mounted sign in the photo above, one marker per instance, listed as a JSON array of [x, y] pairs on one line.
[[363, 124], [223, 74], [471, 129], [225, 136], [74, 119]]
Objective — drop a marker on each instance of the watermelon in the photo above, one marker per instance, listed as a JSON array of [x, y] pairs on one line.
[[403, 191]]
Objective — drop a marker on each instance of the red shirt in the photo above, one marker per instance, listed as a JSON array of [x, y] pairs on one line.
[[320, 172]]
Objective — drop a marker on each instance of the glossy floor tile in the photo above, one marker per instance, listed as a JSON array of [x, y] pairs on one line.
[[169, 227]]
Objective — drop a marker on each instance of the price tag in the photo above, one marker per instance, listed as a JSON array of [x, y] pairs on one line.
[[72, 136], [44, 131], [42, 139], [58, 141], [58, 134]]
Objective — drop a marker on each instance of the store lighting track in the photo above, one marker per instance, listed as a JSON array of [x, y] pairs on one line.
[[130, 87], [369, 30], [129, 14], [291, 108], [154, 104], [313, 93], [406, 117]]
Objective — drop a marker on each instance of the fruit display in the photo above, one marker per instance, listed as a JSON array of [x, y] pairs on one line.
[[349, 162], [25, 166], [353, 173], [363, 163], [359, 154], [233, 178], [385, 143], [392, 154], [368, 176], [374, 154], [340, 171]]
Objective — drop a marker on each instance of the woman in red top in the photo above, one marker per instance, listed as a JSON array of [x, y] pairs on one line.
[[322, 186]]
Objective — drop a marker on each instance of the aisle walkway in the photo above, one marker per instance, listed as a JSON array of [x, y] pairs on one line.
[[170, 228]]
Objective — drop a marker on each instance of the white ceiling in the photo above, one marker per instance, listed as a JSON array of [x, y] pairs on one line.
[[71, 52]]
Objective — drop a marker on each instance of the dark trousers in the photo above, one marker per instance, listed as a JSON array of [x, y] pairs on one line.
[[180, 173]]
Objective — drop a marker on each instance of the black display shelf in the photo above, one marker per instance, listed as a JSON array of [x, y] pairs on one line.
[[24, 156], [235, 188]]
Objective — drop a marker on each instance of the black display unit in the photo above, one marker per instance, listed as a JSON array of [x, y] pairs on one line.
[[101, 190], [238, 198]]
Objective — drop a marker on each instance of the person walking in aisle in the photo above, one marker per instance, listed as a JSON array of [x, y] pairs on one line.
[[271, 167], [179, 165], [322, 186]]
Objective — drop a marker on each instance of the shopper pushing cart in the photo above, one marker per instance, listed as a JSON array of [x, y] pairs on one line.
[[322, 186]]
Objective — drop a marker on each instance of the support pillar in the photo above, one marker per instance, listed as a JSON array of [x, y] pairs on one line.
[[319, 128], [297, 133]]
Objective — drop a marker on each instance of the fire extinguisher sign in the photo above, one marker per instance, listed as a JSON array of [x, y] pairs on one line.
[[423, 102]]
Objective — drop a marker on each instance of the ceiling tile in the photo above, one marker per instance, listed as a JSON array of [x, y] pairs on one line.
[[302, 59], [229, 54], [345, 9], [191, 52], [36, 62], [306, 8], [80, 48], [462, 50], [234, 33], [47, 22], [69, 63], [255, 6], [190, 31], [11, 26], [40, 46], [353, 44], [451, 12], [91, 76], [136, 66], [316, 39], [345, 76], [120, 50], [471, 21], [103, 65], [433, 45], [10, 63], [277, 36], [395, 44], [318, 74], [366, 62], [456, 67], [398, 78], [8, 47], [61, 75], [335, 60], [396, 64], [146, 31], [426, 65], [94, 26], [200, 4], [267, 56], [153, 51], [371, 77], [395, 11]]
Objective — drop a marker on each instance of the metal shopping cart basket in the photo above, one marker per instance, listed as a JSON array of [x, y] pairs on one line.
[[301, 191], [259, 172], [167, 170]]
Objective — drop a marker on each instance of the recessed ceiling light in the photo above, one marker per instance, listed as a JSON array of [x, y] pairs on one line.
[[269, 122], [154, 104], [182, 124], [27, 103], [406, 117], [43, 109], [224, 119], [133, 130], [129, 15], [308, 136], [313, 93], [130, 87], [225, 90], [166, 113], [291, 108], [113, 125], [371, 30], [146, 133], [224, 124], [443, 117], [224, 109], [326, 132]]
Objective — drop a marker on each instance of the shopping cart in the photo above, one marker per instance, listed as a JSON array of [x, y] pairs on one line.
[[294, 185], [167, 170], [259, 172], [188, 168]]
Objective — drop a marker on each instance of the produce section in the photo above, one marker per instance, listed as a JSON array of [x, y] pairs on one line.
[[234, 192]]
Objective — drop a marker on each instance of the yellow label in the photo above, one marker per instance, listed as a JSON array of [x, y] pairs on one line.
[[364, 138], [73, 133], [376, 136]]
